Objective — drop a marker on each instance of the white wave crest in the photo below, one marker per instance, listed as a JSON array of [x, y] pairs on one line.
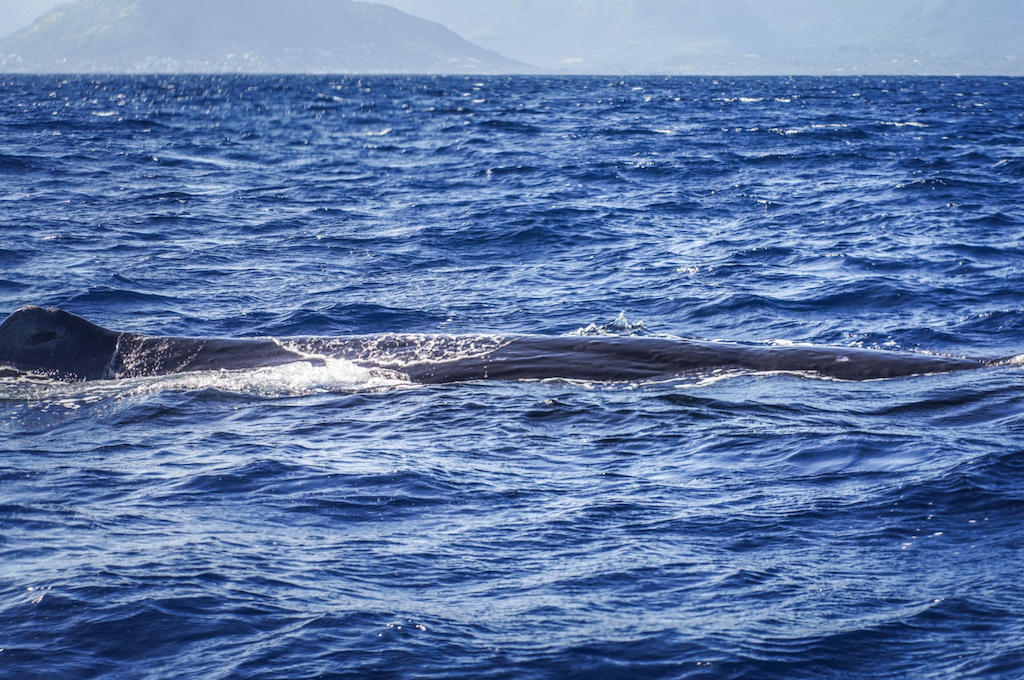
[[620, 326], [300, 378]]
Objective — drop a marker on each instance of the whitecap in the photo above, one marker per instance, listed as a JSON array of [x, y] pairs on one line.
[[619, 326], [300, 378]]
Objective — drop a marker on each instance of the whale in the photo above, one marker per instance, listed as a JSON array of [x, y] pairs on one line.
[[51, 343]]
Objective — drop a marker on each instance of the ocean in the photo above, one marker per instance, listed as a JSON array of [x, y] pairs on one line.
[[306, 521]]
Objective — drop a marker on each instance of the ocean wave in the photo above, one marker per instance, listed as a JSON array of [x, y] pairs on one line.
[[335, 520]]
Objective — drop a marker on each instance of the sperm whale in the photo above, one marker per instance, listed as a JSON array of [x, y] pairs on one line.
[[60, 345]]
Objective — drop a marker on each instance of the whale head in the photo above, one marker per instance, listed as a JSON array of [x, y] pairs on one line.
[[56, 343]]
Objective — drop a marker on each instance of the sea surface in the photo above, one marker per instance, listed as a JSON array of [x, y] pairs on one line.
[[319, 522]]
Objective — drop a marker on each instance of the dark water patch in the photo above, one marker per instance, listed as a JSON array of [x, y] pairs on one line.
[[103, 297], [499, 171], [18, 163], [260, 476], [993, 322], [352, 318], [1014, 167], [170, 196], [13, 285], [512, 127], [995, 221]]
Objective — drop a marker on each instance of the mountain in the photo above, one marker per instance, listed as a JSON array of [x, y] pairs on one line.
[[901, 36], [208, 36], [814, 24], [785, 37], [957, 28], [949, 27], [609, 36]]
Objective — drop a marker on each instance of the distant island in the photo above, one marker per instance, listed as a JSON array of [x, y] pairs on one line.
[[251, 36]]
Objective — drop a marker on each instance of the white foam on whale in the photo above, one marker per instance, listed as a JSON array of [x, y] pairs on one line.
[[300, 378]]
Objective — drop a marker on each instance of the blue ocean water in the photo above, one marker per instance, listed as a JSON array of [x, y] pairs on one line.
[[313, 522]]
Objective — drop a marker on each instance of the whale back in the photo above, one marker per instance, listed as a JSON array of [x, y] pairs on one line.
[[60, 345], [56, 343]]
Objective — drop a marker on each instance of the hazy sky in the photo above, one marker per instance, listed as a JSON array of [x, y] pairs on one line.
[[15, 14]]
